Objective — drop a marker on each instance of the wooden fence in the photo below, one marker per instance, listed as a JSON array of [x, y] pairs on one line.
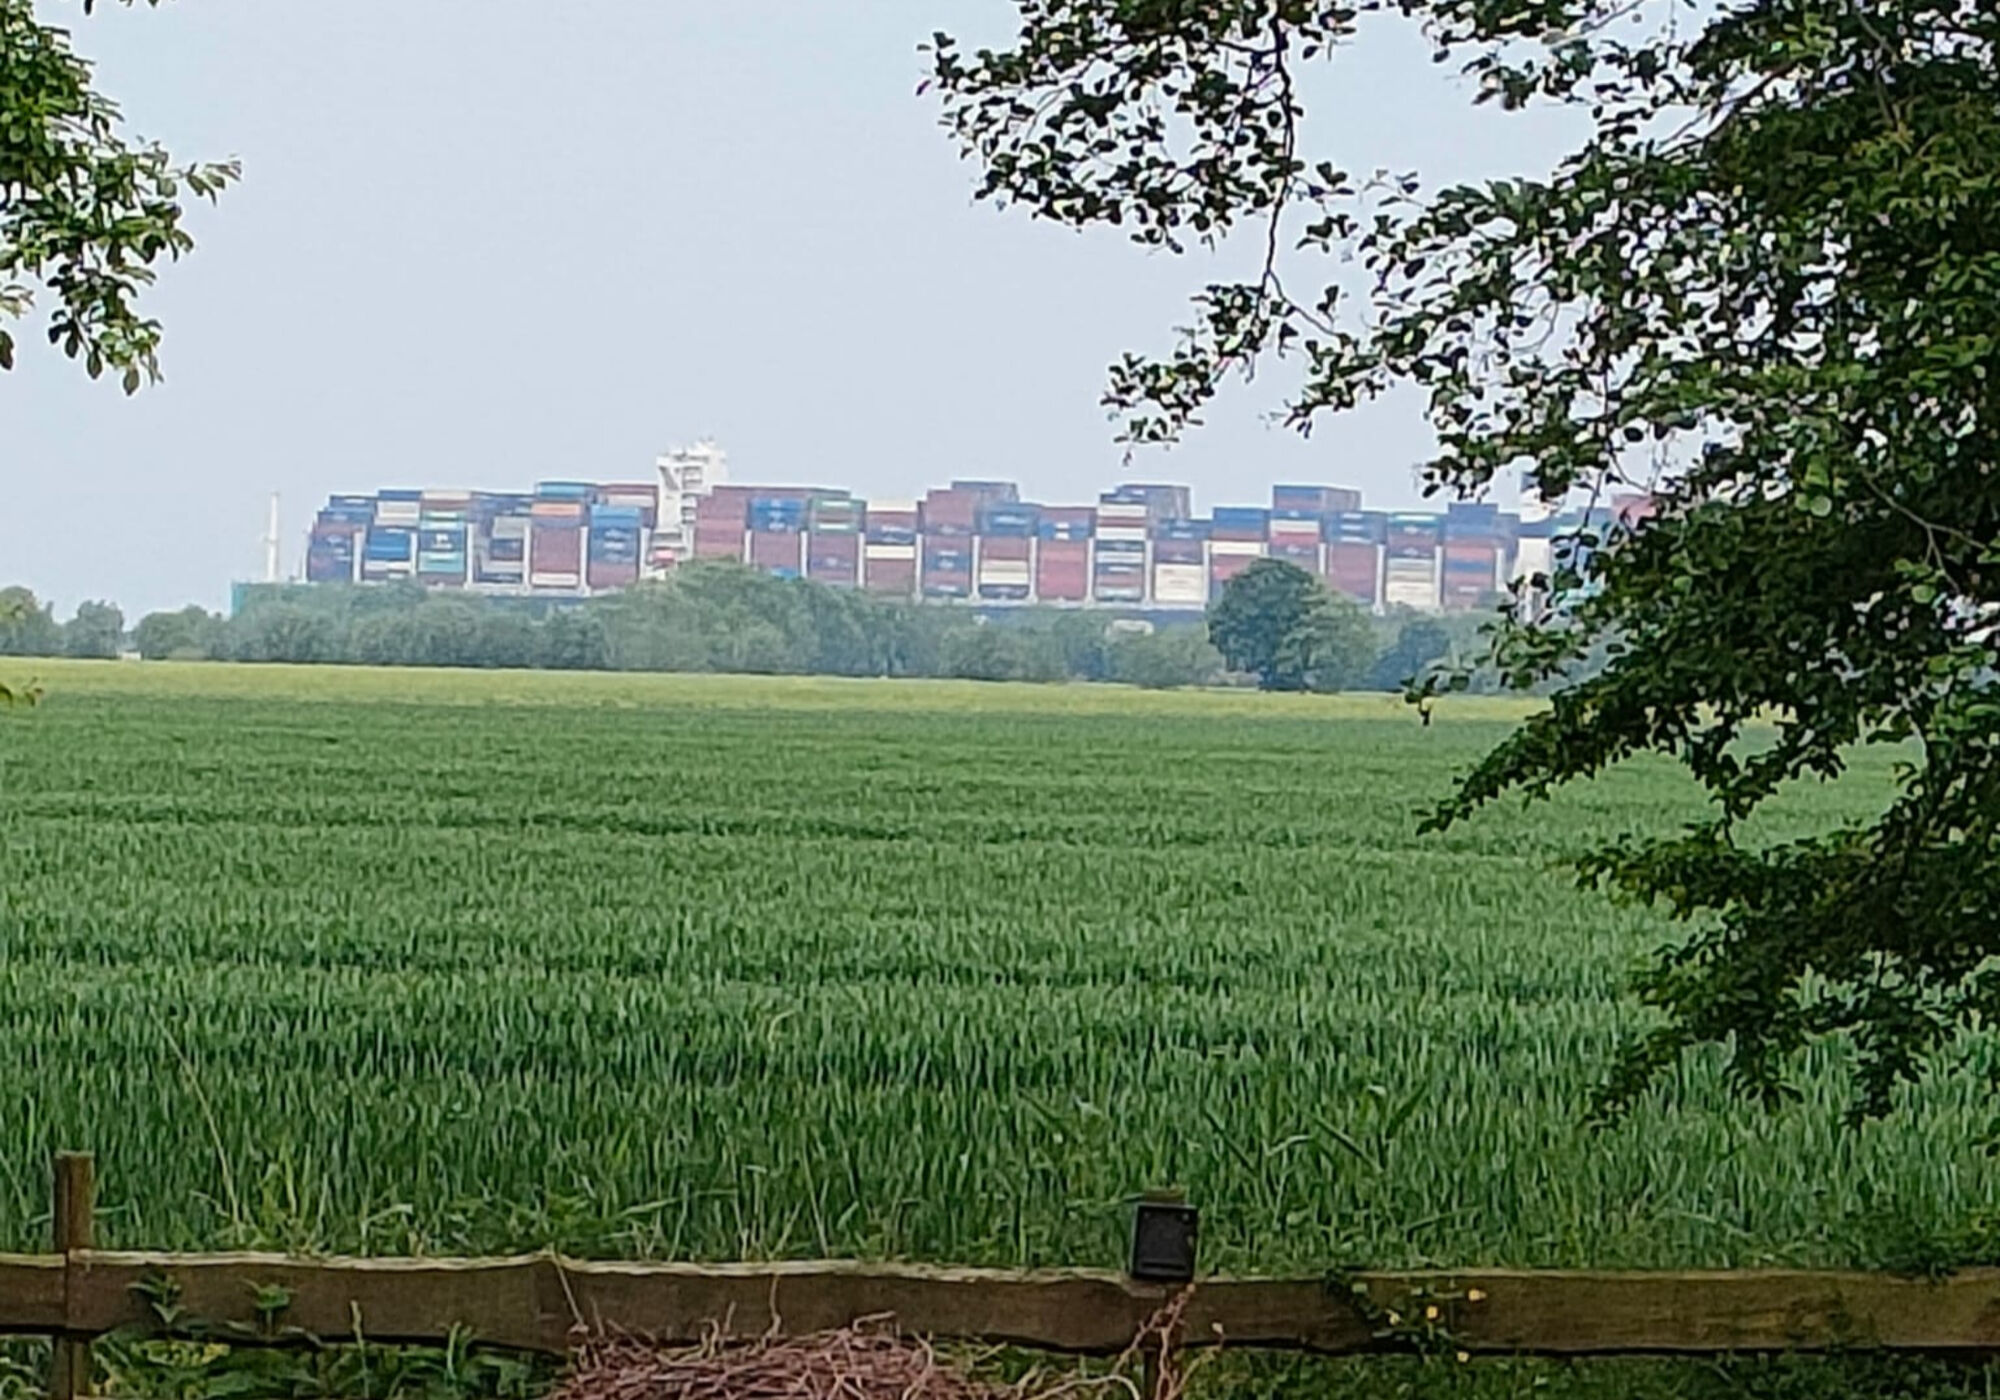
[[545, 1303]]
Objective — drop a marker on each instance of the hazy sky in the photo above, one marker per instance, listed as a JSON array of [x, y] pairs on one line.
[[482, 242]]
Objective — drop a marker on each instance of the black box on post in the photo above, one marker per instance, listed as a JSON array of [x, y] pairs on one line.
[[1164, 1236]]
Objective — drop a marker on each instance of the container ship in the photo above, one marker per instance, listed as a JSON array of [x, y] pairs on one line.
[[975, 542]]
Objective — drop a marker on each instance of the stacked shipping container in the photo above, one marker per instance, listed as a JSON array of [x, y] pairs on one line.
[[1237, 537], [889, 563], [1410, 561], [1353, 542], [974, 540], [721, 519], [1062, 553], [949, 518], [777, 532], [1006, 551], [833, 540]]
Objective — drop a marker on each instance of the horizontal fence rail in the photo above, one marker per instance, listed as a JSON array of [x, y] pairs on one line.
[[546, 1303]]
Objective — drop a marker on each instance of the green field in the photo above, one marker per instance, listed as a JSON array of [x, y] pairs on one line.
[[327, 959]]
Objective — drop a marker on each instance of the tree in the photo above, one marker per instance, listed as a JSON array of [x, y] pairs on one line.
[[85, 214], [286, 632], [18, 610], [96, 632], [192, 634], [574, 640], [993, 651], [1420, 641], [1260, 621], [27, 628], [1165, 658], [1331, 648], [507, 639], [1762, 288]]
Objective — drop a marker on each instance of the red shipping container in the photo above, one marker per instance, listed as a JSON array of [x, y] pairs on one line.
[[1224, 567], [1013, 549], [1062, 571], [891, 577], [834, 559], [605, 574], [727, 544], [1352, 568], [950, 512], [556, 549], [772, 550]]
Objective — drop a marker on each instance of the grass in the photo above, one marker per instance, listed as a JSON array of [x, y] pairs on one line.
[[715, 967]]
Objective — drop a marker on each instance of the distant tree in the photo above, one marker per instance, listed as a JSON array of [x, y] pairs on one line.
[[1332, 648], [1418, 641], [286, 632], [85, 214], [192, 634], [15, 607], [1083, 644], [990, 652], [27, 627], [508, 639], [1165, 658], [843, 628], [1278, 623], [96, 632], [574, 640]]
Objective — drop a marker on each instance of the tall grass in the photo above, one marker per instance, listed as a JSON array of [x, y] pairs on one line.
[[694, 968]]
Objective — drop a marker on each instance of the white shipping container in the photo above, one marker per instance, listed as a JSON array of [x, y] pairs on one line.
[[1003, 571], [1238, 548], [1533, 557], [891, 551], [891, 507], [538, 579], [1411, 593], [1180, 583], [1130, 534], [1121, 510], [398, 512]]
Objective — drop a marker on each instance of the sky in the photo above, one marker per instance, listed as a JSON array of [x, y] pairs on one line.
[[481, 243]]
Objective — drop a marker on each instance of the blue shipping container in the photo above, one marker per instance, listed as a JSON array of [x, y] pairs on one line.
[[614, 544], [388, 545]]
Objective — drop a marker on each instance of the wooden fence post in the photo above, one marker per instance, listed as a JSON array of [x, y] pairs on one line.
[[75, 1206]]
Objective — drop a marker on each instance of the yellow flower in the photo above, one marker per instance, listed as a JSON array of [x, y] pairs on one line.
[[1431, 1313], [1475, 1295]]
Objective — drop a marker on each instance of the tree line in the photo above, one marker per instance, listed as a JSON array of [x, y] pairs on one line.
[[717, 617]]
